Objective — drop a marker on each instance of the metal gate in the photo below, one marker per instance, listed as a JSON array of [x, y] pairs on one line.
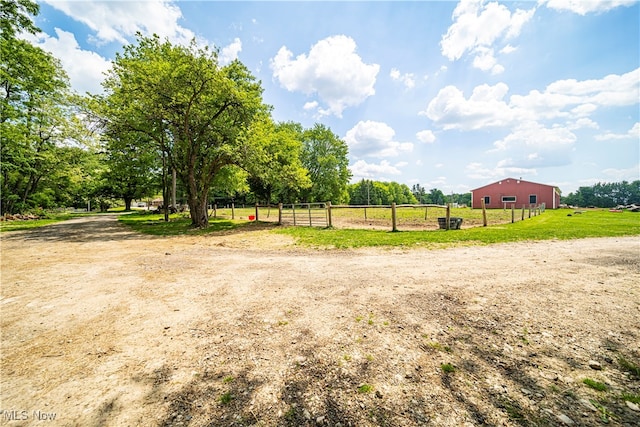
[[305, 214]]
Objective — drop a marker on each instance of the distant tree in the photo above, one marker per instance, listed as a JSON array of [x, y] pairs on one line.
[[132, 169], [420, 193], [275, 168], [605, 195], [325, 156], [436, 197]]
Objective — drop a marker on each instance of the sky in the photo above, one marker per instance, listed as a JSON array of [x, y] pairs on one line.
[[448, 95]]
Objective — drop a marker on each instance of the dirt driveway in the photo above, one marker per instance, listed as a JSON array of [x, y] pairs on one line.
[[105, 327]]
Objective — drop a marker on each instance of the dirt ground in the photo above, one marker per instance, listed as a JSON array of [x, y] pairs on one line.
[[105, 327]]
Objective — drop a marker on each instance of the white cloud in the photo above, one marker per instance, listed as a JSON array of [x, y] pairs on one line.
[[533, 145], [85, 68], [582, 7], [477, 28], [426, 136], [484, 108], [407, 79], [617, 175], [634, 132], [508, 49], [362, 169], [230, 53], [582, 123], [310, 105], [480, 172], [114, 21], [332, 70], [569, 99], [374, 139]]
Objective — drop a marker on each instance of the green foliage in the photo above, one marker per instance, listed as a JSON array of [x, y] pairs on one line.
[[447, 368], [191, 110], [594, 384], [274, 154], [226, 398], [629, 366], [368, 192], [365, 388], [325, 156], [605, 195], [37, 119]]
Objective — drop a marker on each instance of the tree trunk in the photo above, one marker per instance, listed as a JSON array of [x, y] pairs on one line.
[[198, 211], [127, 203]]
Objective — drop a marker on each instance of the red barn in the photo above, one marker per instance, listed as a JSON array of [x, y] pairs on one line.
[[511, 191]]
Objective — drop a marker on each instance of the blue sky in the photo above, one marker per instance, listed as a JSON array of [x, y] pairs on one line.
[[450, 95]]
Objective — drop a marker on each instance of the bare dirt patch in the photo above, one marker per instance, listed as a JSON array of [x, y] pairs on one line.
[[105, 327]]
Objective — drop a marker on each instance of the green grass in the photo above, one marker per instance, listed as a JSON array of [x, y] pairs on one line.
[[365, 388], [552, 224], [629, 367], [226, 398], [35, 223], [448, 368], [178, 224], [594, 384]]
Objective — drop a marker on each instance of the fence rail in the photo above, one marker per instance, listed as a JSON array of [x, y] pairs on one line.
[[408, 216]]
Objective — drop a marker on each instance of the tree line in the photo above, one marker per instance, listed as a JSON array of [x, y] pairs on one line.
[[605, 195], [171, 120]]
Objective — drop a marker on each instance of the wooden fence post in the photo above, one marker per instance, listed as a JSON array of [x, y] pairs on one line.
[[529, 211], [233, 210], [256, 211], [279, 213], [293, 212], [448, 216], [513, 213], [393, 217], [522, 219], [484, 214], [329, 222], [309, 209], [425, 212], [215, 211]]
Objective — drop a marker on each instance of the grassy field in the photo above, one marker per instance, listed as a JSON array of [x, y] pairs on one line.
[[558, 224], [552, 224]]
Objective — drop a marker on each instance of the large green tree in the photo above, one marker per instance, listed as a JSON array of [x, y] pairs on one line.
[[275, 169], [193, 110], [38, 117], [325, 156]]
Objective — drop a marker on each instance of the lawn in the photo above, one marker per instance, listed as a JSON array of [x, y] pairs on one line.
[[552, 224]]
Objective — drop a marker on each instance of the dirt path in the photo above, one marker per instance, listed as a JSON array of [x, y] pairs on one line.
[[105, 327]]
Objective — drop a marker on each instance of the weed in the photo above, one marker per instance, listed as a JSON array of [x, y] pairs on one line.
[[448, 368], [226, 398], [283, 322], [524, 338], [370, 321], [629, 366], [358, 318], [365, 388], [290, 414], [605, 415], [594, 384], [630, 397], [437, 346], [369, 358], [228, 379], [385, 323], [347, 358]]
